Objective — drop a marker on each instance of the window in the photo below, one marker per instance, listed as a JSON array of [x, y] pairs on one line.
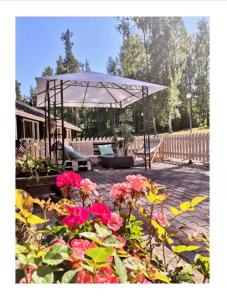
[[31, 129]]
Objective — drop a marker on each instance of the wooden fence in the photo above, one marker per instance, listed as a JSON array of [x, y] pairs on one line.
[[175, 146]]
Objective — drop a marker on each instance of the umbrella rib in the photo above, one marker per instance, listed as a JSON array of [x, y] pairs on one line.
[[85, 92], [111, 94], [132, 94]]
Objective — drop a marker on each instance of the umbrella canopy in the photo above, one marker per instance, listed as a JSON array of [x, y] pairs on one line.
[[92, 89]]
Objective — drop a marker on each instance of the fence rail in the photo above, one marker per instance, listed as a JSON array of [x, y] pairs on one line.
[[175, 146]]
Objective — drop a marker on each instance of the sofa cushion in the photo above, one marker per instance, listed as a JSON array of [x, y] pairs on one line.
[[72, 153], [106, 150]]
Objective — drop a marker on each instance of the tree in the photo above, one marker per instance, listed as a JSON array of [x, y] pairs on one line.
[[201, 89], [48, 71], [113, 66], [60, 68], [18, 91], [70, 62], [33, 96], [85, 67]]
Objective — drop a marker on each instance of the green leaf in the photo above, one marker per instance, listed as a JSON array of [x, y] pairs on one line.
[[21, 249], [197, 200], [113, 241], [120, 269], [99, 254], [185, 206], [24, 202], [43, 274], [22, 259], [33, 220], [133, 263], [20, 218], [91, 236], [69, 276], [161, 277], [57, 254], [102, 231], [57, 229], [184, 248], [174, 211]]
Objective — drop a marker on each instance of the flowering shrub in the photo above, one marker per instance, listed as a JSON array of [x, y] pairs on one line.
[[27, 166], [92, 244]]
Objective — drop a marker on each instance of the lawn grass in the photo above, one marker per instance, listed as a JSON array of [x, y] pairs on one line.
[[187, 131]]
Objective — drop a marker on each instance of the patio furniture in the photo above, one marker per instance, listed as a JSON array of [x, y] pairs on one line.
[[152, 149], [117, 162], [86, 149]]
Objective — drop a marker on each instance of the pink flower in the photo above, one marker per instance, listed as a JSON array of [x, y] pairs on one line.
[[79, 247], [115, 221], [142, 279], [102, 211], [84, 277], [69, 179], [77, 215], [136, 182], [120, 190], [106, 276], [88, 186], [28, 278], [103, 278], [160, 218]]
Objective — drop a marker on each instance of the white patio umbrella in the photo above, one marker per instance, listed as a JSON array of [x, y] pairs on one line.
[[90, 89]]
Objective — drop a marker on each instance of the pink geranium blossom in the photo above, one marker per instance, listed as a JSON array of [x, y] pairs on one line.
[[69, 178], [106, 275], [88, 186], [115, 221], [79, 247], [160, 218], [84, 277], [77, 215], [136, 182], [120, 190], [102, 211]]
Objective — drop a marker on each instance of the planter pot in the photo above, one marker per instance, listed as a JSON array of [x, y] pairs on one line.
[[37, 187]]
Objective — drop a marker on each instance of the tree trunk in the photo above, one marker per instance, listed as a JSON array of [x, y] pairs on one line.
[[170, 124], [154, 125]]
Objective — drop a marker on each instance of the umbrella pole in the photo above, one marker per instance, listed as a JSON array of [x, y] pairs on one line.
[[62, 125], [49, 131], [148, 129], [144, 129]]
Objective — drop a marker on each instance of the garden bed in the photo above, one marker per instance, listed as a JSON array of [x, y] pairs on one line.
[[37, 186]]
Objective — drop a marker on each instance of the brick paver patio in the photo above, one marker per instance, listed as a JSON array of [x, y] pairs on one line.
[[183, 182]]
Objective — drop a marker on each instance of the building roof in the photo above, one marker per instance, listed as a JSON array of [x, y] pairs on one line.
[[31, 112]]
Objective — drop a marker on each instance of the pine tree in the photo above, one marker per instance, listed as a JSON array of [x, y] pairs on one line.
[[70, 62], [48, 71], [18, 91], [60, 69]]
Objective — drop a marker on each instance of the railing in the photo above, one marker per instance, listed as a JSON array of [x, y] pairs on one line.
[[175, 146]]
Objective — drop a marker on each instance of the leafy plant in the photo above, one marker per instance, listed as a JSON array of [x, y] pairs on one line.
[[94, 245]]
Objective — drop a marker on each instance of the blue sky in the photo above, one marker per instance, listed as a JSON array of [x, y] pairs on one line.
[[38, 43]]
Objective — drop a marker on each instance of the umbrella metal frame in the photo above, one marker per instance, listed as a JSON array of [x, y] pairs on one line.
[[50, 101]]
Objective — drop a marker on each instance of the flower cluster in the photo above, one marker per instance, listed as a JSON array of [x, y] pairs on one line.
[[133, 188], [160, 218], [68, 182], [76, 216], [79, 215]]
